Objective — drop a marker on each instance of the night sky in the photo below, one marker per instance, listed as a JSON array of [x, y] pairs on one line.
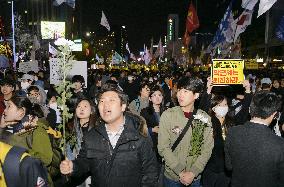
[[148, 18]]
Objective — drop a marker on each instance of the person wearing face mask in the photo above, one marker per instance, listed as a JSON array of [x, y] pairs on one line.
[[38, 96], [26, 81], [52, 103], [239, 107], [215, 174]]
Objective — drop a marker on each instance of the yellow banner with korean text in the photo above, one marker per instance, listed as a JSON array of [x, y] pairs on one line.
[[251, 64], [227, 71]]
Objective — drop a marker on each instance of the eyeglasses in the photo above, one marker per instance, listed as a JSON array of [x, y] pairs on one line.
[[36, 94]]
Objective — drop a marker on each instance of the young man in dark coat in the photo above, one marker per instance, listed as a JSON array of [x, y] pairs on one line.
[[253, 152], [117, 151]]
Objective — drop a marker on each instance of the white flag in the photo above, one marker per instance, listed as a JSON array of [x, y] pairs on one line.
[[242, 22], [249, 4], [127, 48], [97, 58], [104, 21], [160, 50], [147, 57], [230, 30], [68, 2], [52, 50], [58, 2], [264, 6], [132, 56]]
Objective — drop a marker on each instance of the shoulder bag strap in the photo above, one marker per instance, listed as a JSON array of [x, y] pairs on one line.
[[11, 166], [189, 123]]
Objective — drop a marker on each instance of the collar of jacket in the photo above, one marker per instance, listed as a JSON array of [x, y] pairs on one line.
[[133, 127], [180, 112]]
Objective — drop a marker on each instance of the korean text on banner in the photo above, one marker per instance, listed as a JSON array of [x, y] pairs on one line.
[[227, 71], [251, 64]]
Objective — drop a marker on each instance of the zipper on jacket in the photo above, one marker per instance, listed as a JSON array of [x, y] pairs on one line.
[[109, 148]]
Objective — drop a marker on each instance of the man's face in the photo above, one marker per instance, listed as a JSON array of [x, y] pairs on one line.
[[110, 107], [34, 96], [186, 97], [7, 89]]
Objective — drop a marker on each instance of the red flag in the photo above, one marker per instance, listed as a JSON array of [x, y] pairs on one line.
[[186, 39], [192, 21]]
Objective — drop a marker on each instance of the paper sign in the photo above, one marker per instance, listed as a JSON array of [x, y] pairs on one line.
[[79, 68], [25, 67], [251, 64], [227, 71]]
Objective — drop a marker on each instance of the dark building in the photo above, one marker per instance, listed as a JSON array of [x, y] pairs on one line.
[[33, 12]]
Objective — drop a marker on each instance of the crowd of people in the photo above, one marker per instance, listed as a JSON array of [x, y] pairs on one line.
[[130, 128]]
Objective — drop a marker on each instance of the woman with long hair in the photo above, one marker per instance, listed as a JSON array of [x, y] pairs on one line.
[[153, 113], [214, 174], [84, 120]]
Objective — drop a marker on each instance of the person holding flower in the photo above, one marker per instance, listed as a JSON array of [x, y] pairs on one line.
[[185, 138]]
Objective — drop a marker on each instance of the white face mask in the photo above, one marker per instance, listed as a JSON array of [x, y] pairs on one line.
[[25, 85], [221, 111], [53, 106]]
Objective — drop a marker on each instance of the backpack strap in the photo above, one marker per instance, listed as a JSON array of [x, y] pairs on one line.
[[189, 123], [11, 166]]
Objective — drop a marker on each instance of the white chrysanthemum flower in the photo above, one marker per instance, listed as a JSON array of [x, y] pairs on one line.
[[201, 118], [63, 41]]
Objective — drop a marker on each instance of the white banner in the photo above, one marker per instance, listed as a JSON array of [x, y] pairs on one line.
[[25, 67], [79, 68]]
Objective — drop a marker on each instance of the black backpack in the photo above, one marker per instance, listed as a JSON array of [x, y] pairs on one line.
[[28, 172]]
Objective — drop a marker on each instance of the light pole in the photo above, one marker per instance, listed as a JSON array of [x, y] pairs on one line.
[[123, 28], [14, 43]]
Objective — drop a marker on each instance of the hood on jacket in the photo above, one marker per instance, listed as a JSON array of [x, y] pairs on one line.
[[141, 124]]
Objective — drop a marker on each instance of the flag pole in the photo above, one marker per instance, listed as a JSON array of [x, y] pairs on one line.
[[14, 43]]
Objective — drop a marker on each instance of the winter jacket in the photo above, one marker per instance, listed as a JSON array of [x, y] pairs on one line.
[[255, 155], [36, 141], [172, 120], [131, 163], [138, 104], [152, 121]]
